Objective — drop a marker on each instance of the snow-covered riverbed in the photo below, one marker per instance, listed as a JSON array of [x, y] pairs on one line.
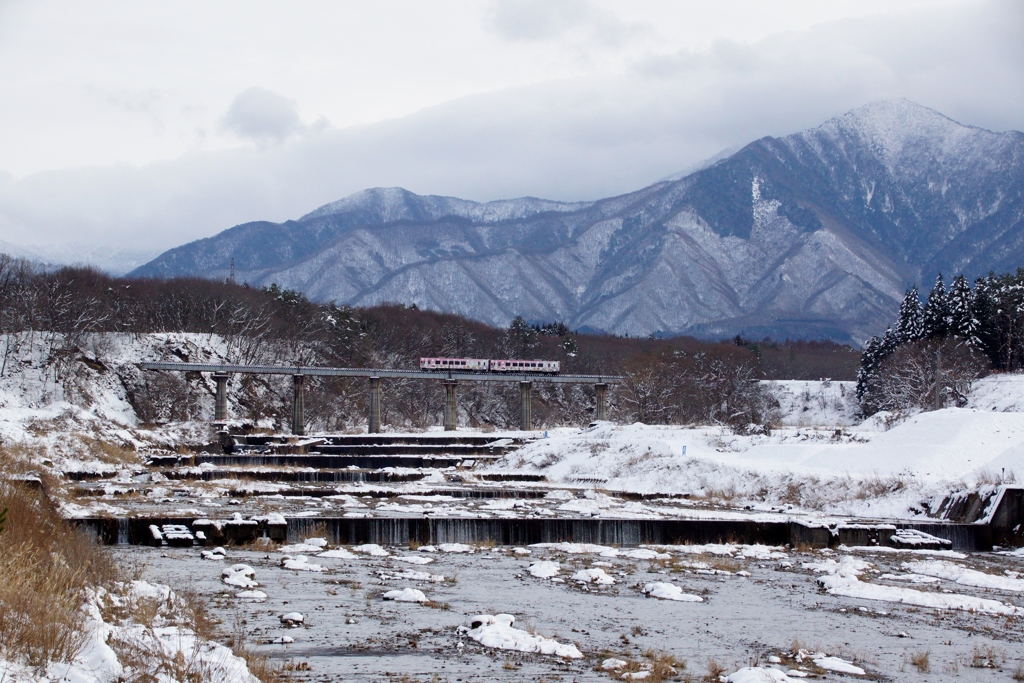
[[744, 605]]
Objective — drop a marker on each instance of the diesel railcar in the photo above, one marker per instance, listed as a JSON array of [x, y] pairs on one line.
[[546, 367]]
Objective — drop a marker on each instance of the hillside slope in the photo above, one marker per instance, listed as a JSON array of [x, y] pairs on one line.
[[813, 235]]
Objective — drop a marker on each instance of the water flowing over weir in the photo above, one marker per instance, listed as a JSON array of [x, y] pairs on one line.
[[614, 532]]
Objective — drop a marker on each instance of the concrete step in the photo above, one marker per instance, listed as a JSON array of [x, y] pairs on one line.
[[318, 461], [320, 476]]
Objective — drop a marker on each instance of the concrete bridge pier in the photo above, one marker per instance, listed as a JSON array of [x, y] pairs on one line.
[[526, 406], [220, 406], [374, 425], [298, 406], [601, 389], [451, 407]]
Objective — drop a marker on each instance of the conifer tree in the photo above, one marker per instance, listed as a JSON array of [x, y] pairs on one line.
[[910, 326], [986, 312], [876, 350], [936, 311], [963, 322]]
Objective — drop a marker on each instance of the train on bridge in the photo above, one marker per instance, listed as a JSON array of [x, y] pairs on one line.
[[543, 367]]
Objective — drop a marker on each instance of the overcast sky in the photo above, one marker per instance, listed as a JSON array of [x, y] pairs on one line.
[[143, 125]]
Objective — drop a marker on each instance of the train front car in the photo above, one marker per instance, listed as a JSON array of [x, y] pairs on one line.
[[454, 364], [546, 367]]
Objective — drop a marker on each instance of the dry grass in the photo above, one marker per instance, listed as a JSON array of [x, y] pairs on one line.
[[658, 666], [259, 665], [46, 566], [110, 453], [921, 660], [987, 477], [876, 486], [715, 671], [1018, 673], [986, 658]]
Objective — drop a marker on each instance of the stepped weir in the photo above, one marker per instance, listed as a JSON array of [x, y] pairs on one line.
[[435, 487], [398, 489]]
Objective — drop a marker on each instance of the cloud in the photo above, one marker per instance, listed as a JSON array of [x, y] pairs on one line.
[[580, 138], [537, 19], [262, 116], [549, 20]]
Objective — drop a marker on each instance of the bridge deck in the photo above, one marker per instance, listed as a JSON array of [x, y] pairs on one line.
[[381, 372]]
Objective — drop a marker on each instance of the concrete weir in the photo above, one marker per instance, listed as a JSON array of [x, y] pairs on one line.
[[616, 532]]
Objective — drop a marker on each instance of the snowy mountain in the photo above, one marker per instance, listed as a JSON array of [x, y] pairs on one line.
[[113, 261], [812, 235]]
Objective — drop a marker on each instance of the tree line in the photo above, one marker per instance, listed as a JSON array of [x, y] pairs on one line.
[[678, 379], [934, 350]]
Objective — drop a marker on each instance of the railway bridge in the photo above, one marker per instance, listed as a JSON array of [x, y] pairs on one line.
[[450, 380]]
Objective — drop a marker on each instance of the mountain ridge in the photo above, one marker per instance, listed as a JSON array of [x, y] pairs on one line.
[[814, 234]]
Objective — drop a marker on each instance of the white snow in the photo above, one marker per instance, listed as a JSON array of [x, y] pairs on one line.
[[255, 596], [836, 664], [241, 575], [300, 563], [300, 548], [866, 469], [594, 575], [337, 554], [455, 548], [292, 618], [965, 576], [668, 591], [406, 595], [842, 579], [497, 631], [757, 674], [545, 569], [156, 646], [371, 549], [414, 559]]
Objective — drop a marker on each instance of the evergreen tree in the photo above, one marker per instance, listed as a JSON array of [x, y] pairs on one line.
[[910, 326], [522, 337], [986, 311], [936, 311], [963, 322], [876, 350]]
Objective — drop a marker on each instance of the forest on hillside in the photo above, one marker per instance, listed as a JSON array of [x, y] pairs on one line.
[[932, 353], [674, 380]]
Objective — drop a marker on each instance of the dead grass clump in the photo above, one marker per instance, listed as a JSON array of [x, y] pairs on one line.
[[655, 666], [715, 671], [1018, 673], [110, 453], [876, 486], [259, 665], [663, 666], [46, 565], [723, 563], [985, 658], [921, 660], [987, 477]]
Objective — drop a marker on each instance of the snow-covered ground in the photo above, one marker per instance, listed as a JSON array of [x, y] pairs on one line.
[[819, 460], [80, 418], [117, 647]]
